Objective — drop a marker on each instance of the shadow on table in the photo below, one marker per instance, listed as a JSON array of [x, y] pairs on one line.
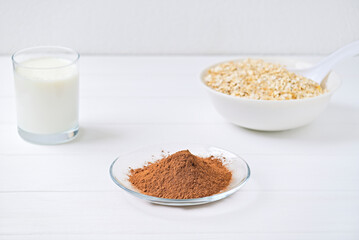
[[338, 123], [95, 134], [242, 203]]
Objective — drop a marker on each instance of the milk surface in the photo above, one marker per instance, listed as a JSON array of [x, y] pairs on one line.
[[46, 95]]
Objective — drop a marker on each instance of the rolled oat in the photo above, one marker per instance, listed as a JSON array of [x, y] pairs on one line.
[[257, 79]]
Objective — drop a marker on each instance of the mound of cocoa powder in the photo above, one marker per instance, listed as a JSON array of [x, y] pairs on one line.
[[181, 175]]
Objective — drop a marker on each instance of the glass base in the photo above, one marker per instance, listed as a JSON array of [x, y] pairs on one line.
[[49, 139]]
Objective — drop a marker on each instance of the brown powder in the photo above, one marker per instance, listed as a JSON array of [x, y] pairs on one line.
[[181, 175]]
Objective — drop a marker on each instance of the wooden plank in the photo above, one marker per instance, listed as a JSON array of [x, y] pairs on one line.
[[90, 172], [102, 85], [117, 139], [134, 110], [119, 213], [316, 138], [168, 110]]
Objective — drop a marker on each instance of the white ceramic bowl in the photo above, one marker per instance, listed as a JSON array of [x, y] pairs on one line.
[[272, 115]]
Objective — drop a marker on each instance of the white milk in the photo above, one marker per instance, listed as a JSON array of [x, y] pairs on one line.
[[47, 95]]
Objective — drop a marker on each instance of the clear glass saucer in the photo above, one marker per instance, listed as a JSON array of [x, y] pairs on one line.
[[120, 168]]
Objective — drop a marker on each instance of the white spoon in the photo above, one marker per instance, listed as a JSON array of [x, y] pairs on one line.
[[318, 72]]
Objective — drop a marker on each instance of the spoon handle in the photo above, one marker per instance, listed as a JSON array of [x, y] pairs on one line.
[[326, 64]]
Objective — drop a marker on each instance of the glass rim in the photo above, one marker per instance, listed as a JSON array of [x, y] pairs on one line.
[[77, 56]]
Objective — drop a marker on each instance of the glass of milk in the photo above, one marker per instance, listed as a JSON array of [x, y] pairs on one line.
[[47, 94]]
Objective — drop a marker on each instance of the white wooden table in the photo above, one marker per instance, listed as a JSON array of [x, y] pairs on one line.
[[304, 184]]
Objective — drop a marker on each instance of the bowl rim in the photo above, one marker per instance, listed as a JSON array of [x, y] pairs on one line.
[[324, 95], [210, 198]]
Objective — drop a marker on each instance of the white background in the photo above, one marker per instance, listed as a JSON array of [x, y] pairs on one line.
[[180, 27]]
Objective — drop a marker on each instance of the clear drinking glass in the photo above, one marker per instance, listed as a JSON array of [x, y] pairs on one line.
[[47, 94]]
